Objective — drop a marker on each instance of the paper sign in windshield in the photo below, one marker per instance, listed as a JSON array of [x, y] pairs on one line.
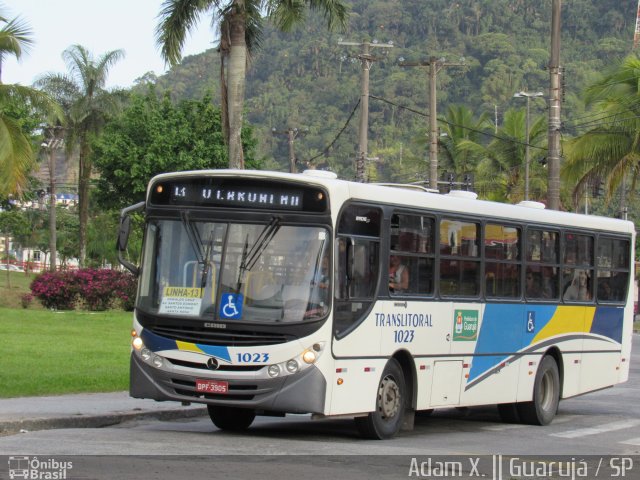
[[181, 301]]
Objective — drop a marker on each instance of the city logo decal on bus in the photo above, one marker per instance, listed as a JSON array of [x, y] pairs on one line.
[[231, 306], [465, 325]]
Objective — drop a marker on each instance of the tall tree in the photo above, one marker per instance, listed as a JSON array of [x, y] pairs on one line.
[[610, 148], [15, 39], [88, 105], [500, 173], [459, 124], [239, 23], [16, 155], [153, 135]]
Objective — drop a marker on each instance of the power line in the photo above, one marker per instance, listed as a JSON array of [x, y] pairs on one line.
[[498, 137], [328, 147]]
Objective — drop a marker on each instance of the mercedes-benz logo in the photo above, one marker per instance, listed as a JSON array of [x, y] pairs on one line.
[[212, 363]]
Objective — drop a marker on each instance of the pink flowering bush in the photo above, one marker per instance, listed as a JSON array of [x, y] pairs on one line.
[[56, 290], [96, 289], [125, 290]]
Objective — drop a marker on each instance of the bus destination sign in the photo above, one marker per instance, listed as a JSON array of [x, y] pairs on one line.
[[228, 193], [251, 197]]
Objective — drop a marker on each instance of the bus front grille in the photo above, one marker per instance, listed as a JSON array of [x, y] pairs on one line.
[[223, 367], [229, 338]]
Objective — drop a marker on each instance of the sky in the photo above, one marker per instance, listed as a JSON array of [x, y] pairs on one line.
[[98, 26]]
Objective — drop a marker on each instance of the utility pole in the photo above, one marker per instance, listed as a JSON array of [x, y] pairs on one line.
[[435, 66], [528, 96], [291, 134], [366, 60], [52, 143], [553, 158]]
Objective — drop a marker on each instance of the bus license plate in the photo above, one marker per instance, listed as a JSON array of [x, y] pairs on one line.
[[212, 386]]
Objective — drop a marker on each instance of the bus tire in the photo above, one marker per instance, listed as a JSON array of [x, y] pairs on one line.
[[546, 395], [231, 418], [386, 420]]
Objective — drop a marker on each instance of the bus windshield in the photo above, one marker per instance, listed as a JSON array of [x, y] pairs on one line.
[[235, 272]]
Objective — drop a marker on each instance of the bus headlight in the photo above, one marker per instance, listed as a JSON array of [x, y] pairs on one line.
[[309, 356], [145, 354], [297, 364], [157, 361], [292, 366], [137, 343]]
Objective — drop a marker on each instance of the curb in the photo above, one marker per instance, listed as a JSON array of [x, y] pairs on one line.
[[94, 421]]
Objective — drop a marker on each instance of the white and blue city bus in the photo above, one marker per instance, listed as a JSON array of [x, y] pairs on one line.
[[264, 293]]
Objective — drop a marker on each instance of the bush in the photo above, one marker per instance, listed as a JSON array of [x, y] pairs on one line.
[[98, 289], [125, 290], [26, 299], [56, 290]]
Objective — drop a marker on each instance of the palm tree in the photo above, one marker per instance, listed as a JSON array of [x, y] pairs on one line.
[[15, 39], [500, 173], [239, 23], [87, 107], [16, 155], [459, 124], [610, 148]]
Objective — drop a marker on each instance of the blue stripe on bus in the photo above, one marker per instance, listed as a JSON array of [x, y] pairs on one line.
[[608, 322], [505, 331], [156, 343]]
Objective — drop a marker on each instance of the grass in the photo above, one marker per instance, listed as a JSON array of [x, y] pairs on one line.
[[13, 286], [51, 353]]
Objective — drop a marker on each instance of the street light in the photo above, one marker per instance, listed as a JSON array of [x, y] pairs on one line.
[[527, 95]]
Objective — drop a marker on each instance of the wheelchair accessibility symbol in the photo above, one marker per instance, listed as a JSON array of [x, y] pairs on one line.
[[531, 322], [231, 305]]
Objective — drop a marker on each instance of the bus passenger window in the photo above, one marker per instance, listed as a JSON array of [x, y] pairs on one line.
[[411, 258]]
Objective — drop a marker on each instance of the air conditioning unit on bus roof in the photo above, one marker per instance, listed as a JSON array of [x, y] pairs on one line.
[[532, 204], [463, 194], [320, 174]]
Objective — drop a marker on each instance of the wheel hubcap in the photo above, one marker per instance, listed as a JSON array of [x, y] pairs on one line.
[[546, 391], [388, 398]]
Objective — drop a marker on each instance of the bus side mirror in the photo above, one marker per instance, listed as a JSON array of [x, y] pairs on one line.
[[123, 236]]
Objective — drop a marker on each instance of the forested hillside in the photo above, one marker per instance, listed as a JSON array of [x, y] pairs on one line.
[[306, 80]]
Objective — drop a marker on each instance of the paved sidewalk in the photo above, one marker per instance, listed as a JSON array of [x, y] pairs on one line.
[[88, 410]]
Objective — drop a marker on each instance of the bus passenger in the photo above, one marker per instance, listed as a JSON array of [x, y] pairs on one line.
[[580, 287], [533, 285], [398, 275]]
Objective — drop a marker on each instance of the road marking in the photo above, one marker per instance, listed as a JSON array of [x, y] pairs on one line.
[[632, 441], [609, 427]]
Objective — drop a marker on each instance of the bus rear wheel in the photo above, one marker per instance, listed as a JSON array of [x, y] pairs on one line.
[[546, 395], [231, 418], [386, 420]]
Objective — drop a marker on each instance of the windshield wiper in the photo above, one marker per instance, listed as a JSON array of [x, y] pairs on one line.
[[194, 237], [207, 260], [251, 256]]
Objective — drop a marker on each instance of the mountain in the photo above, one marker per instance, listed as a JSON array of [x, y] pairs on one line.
[[306, 80]]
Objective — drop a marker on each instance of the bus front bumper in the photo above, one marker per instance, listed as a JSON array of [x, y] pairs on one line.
[[303, 392]]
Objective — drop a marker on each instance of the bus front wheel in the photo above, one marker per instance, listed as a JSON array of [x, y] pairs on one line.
[[386, 420], [231, 418], [546, 395]]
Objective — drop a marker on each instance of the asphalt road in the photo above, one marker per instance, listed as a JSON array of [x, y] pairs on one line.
[[601, 423]]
